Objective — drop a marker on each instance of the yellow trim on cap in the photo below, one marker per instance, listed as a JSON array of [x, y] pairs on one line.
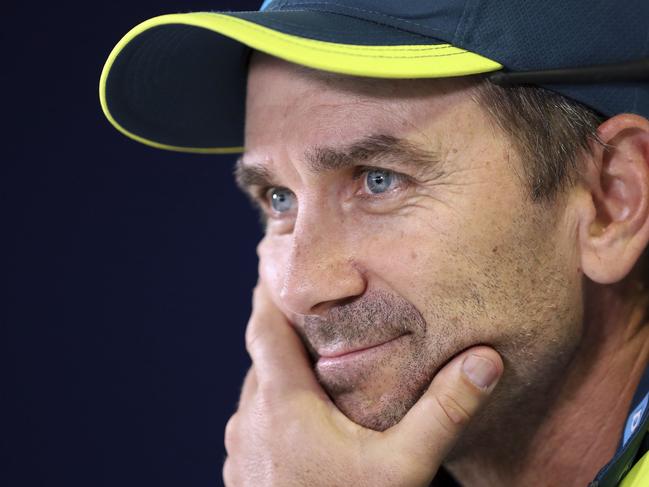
[[406, 61]]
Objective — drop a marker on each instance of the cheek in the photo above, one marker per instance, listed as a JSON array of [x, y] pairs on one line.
[[400, 260], [445, 269], [405, 256]]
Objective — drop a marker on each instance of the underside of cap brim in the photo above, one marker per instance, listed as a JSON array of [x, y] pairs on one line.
[[177, 82]]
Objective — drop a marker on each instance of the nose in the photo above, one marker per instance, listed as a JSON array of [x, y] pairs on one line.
[[321, 271]]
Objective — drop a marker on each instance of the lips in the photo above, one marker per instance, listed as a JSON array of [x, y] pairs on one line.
[[346, 349], [338, 356]]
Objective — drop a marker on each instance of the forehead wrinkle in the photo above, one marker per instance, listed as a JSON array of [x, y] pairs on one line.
[[372, 148]]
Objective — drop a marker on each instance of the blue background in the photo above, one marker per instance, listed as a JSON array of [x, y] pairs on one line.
[[128, 274]]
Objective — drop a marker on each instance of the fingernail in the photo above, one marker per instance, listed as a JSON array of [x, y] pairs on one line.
[[481, 371]]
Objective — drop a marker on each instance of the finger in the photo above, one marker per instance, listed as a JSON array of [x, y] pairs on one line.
[[229, 474], [231, 434], [435, 422], [249, 387], [275, 348]]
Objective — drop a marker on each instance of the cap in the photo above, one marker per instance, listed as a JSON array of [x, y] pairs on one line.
[[178, 81]]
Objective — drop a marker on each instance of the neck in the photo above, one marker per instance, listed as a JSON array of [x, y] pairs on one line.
[[579, 432]]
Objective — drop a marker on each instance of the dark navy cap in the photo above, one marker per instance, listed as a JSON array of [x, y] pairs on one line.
[[178, 81]]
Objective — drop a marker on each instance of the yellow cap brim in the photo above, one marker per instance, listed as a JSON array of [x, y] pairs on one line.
[[435, 60]]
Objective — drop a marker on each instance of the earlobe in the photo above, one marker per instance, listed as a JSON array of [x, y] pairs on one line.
[[614, 230]]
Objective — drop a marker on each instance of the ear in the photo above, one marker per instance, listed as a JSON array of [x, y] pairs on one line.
[[614, 230]]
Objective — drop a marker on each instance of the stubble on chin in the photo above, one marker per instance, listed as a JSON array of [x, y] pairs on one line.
[[379, 395]]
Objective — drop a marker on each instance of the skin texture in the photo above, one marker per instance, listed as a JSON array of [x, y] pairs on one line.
[[450, 257], [287, 432]]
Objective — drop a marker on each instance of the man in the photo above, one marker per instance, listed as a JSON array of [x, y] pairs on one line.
[[451, 279]]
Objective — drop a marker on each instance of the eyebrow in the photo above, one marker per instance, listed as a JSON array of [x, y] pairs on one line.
[[374, 149]]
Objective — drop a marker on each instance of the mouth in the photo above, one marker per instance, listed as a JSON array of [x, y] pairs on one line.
[[345, 356]]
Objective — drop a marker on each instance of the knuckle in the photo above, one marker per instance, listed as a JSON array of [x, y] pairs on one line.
[[455, 415], [228, 473], [231, 430]]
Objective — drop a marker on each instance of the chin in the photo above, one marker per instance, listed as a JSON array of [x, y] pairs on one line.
[[377, 391], [377, 415], [378, 405]]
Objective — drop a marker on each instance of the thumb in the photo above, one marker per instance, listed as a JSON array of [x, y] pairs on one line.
[[430, 429]]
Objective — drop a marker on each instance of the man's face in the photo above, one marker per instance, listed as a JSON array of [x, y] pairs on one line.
[[399, 234]]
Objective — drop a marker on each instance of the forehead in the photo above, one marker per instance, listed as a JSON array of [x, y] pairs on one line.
[[318, 108]]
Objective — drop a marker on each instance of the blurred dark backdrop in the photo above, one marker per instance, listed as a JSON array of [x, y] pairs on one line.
[[128, 272]]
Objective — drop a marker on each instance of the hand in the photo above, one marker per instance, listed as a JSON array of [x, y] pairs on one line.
[[287, 431]]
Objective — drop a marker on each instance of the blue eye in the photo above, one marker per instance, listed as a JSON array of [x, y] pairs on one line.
[[281, 199], [378, 180]]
